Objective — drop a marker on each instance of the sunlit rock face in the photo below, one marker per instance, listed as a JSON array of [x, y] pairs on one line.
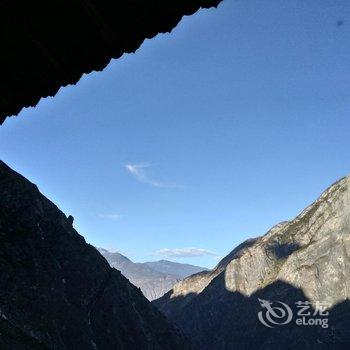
[[303, 259], [58, 292], [310, 252], [196, 283]]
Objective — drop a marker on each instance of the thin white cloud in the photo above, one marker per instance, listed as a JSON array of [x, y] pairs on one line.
[[183, 252], [138, 171], [110, 216]]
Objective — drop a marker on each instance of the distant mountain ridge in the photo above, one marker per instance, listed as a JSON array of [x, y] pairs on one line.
[[154, 278], [179, 270]]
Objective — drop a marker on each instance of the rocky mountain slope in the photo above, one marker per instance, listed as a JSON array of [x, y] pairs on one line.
[[58, 292], [304, 260], [153, 278]]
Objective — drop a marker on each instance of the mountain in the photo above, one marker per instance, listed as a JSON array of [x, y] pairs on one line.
[[178, 270], [153, 278], [57, 291], [153, 284], [304, 262], [115, 259]]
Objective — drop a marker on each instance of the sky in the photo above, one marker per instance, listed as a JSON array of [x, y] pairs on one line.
[[204, 137]]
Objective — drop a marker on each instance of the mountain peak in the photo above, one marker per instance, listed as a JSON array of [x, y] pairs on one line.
[[305, 259], [154, 278]]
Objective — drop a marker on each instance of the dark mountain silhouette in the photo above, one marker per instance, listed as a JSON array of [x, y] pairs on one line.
[[231, 321], [57, 291], [303, 260], [153, 278]]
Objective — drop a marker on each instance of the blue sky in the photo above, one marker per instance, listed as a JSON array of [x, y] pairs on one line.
[[207, 136]]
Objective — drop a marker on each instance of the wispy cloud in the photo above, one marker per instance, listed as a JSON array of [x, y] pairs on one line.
[[183, 252], [110, 216], [139, 172]]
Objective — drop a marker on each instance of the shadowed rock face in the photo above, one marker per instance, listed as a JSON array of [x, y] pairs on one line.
[[307, 258], [153, 278], [49, 44], [58, 292]]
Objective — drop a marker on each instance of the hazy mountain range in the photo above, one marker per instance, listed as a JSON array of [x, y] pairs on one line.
[[154, 278]]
